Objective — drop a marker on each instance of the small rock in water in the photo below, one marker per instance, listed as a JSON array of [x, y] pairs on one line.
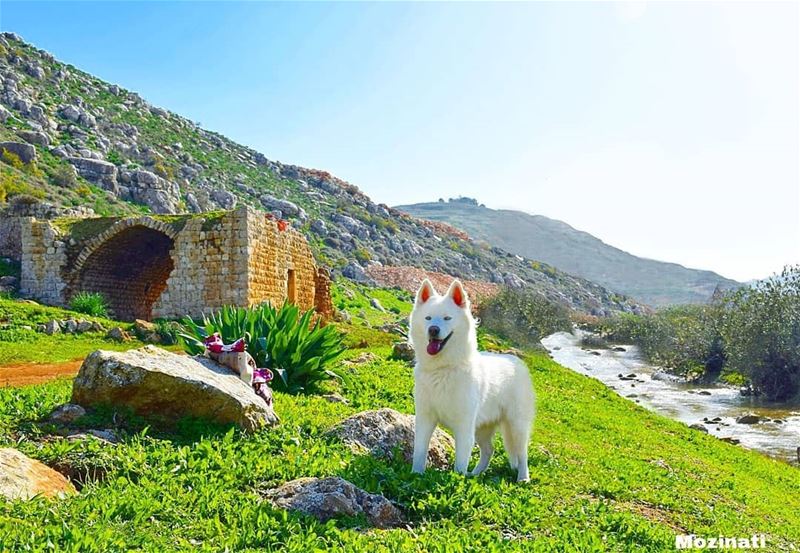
[[749, 418], [730, 440], [704, 393], [618, 348], [594, 353], [700, 427]]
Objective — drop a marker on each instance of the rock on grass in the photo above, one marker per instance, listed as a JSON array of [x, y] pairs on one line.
[[384, 431], [157, 383], [334, 497], [23, 478]]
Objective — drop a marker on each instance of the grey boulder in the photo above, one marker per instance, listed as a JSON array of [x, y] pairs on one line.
[[333, 497], [155, 382], [385, 431], [25, 152]]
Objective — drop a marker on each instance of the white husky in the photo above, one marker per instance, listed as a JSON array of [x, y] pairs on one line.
[[469, 392]]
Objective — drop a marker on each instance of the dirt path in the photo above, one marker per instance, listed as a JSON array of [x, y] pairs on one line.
[[25, 374]]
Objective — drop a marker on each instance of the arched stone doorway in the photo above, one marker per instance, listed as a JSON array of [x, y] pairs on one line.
[[130, 269]]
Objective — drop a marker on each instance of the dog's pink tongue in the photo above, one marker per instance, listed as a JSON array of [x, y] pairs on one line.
[[434, 347]]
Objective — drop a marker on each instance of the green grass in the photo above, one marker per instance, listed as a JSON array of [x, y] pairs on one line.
[[355, 299], [20, 343], [606, 475], [89, 303]]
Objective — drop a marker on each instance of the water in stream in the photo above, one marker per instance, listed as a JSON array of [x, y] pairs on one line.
[[776, 434]]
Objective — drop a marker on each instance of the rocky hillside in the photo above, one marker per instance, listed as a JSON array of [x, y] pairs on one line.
[[576, 252], [75, 141]]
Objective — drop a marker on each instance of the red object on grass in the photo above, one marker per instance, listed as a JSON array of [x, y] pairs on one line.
[[283, 225]]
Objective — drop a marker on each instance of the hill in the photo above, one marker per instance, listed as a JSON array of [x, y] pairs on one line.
[[606, 475], [575, 252], [95, 145]]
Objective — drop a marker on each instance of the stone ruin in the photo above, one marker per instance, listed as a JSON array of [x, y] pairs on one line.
[[172, 265]]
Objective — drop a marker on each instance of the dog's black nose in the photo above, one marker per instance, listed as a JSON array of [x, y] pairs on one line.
[[433, 331]]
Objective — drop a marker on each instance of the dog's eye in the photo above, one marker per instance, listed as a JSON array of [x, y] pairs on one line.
[[447, 318], [428, 318]]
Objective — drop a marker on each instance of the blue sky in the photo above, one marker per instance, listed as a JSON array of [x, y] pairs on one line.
[[671, 130]]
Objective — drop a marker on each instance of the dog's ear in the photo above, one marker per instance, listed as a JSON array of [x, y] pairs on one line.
[[425, 292], [458, 294]]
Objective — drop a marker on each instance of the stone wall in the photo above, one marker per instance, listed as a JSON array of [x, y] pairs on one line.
[[10, 238], [148, 267], [43, 256], [280, 265]]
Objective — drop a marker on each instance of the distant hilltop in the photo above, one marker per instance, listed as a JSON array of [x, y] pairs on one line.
[[575, 252]]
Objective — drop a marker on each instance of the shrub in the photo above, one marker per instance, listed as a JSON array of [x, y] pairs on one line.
[[12, 186], [12, 159], [685, 338], [113, 156], [761, 332], [163, 170], [523, 316], [64, 176], [90, 303], [168, 331], [297, 349], [363, 255]]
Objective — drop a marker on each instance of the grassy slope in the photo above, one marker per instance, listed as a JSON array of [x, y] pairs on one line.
[[19, 344], [606, 475]]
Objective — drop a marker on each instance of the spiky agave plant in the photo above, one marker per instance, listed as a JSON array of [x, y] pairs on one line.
[[292, 344]]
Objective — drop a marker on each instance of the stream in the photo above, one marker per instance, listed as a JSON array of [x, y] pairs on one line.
[[777, 432]]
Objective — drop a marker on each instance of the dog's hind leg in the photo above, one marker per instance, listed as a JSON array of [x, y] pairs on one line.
[[509, 443], [521, 433], [484, 436]]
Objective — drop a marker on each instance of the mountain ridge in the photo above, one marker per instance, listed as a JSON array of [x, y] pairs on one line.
[[95, 145], [576, 252]]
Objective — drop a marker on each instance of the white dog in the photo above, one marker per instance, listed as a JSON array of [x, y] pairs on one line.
[[469, 392]]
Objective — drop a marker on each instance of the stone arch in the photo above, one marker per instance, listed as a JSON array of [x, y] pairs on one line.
[[128, 264]]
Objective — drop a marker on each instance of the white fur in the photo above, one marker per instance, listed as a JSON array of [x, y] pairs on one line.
[[470, 392]]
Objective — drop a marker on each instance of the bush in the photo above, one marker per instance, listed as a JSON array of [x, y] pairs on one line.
[[296, 349], [523, 316], [11, 186], [168, 331], [90, 303], [685, 339], [113, 156], [752, 333], [363, 255], [12, 159], [761, 332], [163, 170], [64, 176]]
